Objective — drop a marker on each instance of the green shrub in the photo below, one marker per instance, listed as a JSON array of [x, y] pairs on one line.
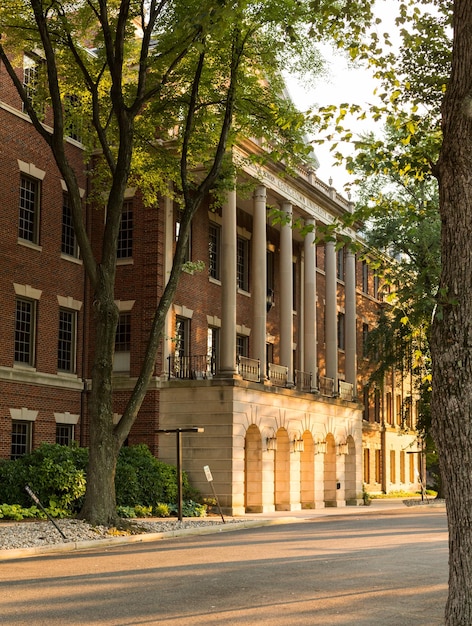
[[190, 509], [141, 479], [54, 473], [57, 475]]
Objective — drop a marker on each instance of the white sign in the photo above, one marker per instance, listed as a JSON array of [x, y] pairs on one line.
[[206, 469]]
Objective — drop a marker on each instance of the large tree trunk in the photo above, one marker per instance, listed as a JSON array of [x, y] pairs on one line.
[[100, 503], [451, 344]]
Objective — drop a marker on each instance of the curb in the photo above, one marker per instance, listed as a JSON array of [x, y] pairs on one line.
[[76, 546]]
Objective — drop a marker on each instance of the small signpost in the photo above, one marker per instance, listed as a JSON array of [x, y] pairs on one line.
[[35, 499], [209, 477]]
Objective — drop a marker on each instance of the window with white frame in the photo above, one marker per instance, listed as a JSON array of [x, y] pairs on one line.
[[29, 209], [242, 345], [32, 68], [214, 250], [122, 356], [125, 234], [66, 346], [213, 345], [64, 434], [69, 241], [21, 438], [242, 263], [73, 121], [25, 331]]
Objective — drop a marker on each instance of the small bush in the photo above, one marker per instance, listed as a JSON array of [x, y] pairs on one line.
[[142, 479], [55, 473]]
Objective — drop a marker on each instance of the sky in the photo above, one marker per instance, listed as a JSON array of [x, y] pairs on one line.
[[343, 82]]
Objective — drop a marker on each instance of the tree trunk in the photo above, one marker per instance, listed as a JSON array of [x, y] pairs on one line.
[[451, 341], [100, 502]]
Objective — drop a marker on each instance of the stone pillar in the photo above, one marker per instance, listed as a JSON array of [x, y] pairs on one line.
[[351, 347], [286, 293], [309, 305], [259, 278], [169, 238], [228, 287], [331, 313]]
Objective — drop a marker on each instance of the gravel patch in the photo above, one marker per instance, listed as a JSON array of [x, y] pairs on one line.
[[18, 535]]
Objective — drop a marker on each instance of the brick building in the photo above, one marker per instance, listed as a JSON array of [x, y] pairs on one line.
[[263, 349]]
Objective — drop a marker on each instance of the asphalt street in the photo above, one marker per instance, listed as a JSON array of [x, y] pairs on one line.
[[376, 567]]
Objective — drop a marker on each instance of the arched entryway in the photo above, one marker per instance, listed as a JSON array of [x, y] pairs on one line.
[[253, 470], [330, 472], [282, 472], [350, 472], [307, 472]]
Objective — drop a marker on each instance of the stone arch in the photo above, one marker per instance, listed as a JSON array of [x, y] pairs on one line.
[[307, 472], [330, 481], [282, 471], [253, 470], [350, 472]]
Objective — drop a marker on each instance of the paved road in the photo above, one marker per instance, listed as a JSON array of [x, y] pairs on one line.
[[386, 567]]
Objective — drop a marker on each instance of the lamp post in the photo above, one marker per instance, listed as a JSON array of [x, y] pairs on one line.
[[178, 432]]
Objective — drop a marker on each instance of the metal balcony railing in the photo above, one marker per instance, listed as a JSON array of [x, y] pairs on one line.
[[197, 367]]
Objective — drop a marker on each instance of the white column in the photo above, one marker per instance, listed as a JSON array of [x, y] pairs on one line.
[[286, 292], [331, 313], [350, 307], [228, 287], [169, 237], [309, 304], [259, 278]]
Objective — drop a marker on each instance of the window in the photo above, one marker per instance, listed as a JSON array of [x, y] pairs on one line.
[[402, 466], [340, 264], [213, 349], [341, 331], [73, 117], [121, 361], [214, 253], [377, 405], [67, 340], [28, 224], [64, 434], [365, 340], [365, 277], [388, 407], [31, 78], [242, 263], [242, 345], [25, 330], [366, 464], [125, 234], [412, 468], [182, 328], [294, 286], [393, 476], [366, 398], [376, 286], [398, 409], [69, 242], [378, 466], [20, 439], [178, 220]]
